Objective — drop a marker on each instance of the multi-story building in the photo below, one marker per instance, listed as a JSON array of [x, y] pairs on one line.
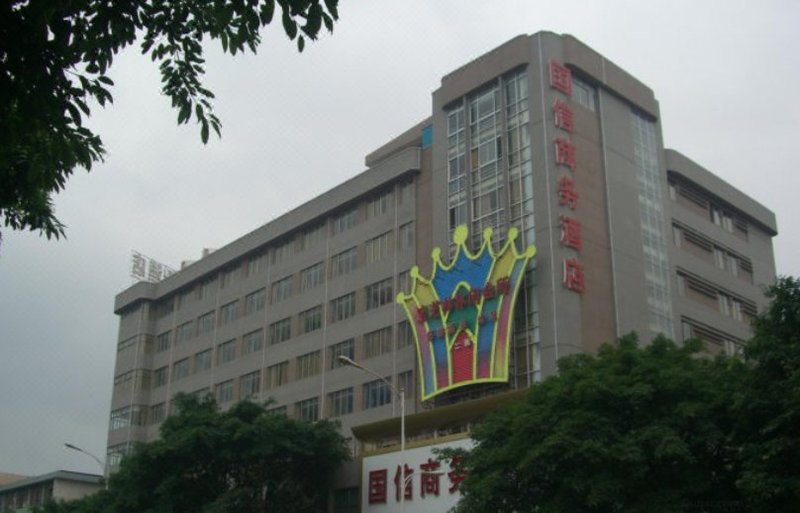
[[27, 493], [542, 135]]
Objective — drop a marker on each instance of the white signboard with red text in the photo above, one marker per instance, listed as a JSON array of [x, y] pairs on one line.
[[431, 486]]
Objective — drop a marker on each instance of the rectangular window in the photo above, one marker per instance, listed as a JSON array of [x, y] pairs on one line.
[[255, 264], [255, 302], [379, 204], [158, 412], [404, 281], [344, 221], [344, 262], [719, 257], [249, 384], [343, 307], [405, 382], [308, 365], [226, 352], [160, 376], [311, 319], [277, 375], [135, 415], [224, 391], [183, 332], [202, 361], [405, 337], [377, 342], [180, 369], [311, 277], [205, 323], [307, 410], [405, 192], [341, 402], [226, 278], [280, 331], [253, 342], [346, 348], [379, 247], [162, 342], [313, 235], [282, 289], [228, 313], [376, 393], [379, 294], [405, 236], [205, 289], [281, 252]]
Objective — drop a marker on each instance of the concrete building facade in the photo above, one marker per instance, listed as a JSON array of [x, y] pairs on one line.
[[21, 495], [542, 134]]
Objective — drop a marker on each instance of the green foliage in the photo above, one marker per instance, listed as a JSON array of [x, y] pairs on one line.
[[243, 460], [55, 56], [631, 429]]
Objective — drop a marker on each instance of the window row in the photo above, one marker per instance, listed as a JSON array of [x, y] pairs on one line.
[[707, 293], [705, 248], [716, 342], [705, 205]]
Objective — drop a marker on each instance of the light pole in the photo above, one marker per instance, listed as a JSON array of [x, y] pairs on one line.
[[95, 458], [401, 393]]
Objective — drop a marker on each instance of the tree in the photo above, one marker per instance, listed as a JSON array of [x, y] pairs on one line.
[[55, 56], [631, 430], [769, 406], [243, 460]]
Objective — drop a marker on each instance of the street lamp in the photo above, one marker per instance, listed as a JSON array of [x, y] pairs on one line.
[[401, 393], [95, 458]]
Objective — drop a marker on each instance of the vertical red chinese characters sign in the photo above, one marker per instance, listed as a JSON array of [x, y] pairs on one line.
[[566, 159]]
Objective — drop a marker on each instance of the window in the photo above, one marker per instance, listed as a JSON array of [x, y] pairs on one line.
[[229, 312], [346, 348], [379, 294], [584, 94], [162, 342], [379, 247], [280, 410], [255, 264], [281, 289], [719, 257], [224, 391], [249, 384], [345, 220], [158, 412], [277, 375], [341, 402], [405, 236], [280, 331], [343, 307], [183, 332], [376, 393], [226, 278], [128, 416], [404, 281], [405, 337], [379, 204], [202, 361], [344, 262], [313, 235], [308, 365], [204, 290], [201, 393], [180, 369], [307, 410], [405, 192], [115, 454], [139, 379], [255, 301], [377, 342], [311, 277], [253, 342], [160, 376], [281, 252], [311, 319], [226, 351], [205, 323], [405, 382]]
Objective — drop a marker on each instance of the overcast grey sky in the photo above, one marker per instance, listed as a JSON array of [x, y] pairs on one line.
[[726, 74]]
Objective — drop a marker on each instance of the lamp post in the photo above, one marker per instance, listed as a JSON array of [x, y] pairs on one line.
[[401, 393], [95, 458]]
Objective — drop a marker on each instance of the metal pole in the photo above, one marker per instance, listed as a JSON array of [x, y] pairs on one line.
[[95, 458]]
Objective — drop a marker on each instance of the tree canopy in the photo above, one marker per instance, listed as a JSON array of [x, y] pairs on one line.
[[55, 57], [242, 460], [660, 428]]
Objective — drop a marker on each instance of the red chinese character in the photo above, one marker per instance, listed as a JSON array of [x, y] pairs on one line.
[[565, 153], [566, 192], [571, 233], [573, 275], [377, 486], [429, 479], [562, 116], [560, 78], [409, 491], [457, 473]]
